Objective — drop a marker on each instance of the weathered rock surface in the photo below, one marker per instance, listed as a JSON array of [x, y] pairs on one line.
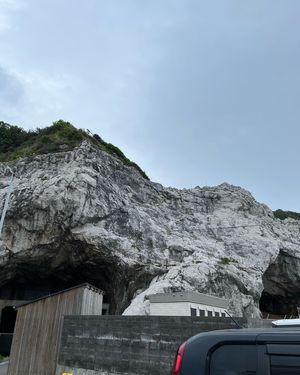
[[85, 216]]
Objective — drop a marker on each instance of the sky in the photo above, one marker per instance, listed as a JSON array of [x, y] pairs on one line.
[[196, 92]]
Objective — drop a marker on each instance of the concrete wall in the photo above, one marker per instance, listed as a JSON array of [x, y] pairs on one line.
[[131, 345], [170, 309]]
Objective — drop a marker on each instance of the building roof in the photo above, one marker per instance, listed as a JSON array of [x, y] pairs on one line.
[[193, 297], [84, 285]]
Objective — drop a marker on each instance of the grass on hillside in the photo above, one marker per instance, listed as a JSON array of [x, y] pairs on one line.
[[280, 214], [16, 142]]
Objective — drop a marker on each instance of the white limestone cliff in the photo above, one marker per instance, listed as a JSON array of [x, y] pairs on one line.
[[84, 214]]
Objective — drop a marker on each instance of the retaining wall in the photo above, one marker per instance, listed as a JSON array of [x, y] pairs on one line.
[[128, 345]]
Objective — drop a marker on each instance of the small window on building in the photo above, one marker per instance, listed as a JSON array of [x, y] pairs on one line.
[[209, 313], [223, 314], [234, 359], [287, 365], [193, 312], [201, 312], [217, 314]]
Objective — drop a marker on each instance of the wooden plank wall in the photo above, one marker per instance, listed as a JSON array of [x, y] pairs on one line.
[[91, 303], [38, 329]]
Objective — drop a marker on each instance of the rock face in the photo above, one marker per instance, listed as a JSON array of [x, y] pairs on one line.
[[83, 215]]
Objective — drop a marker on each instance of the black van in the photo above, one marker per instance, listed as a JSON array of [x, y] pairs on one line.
[[240, 352]]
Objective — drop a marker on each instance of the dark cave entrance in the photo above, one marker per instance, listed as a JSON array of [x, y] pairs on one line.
[[30, 284], [7, 325], [69, 265], [281, 294], [8, 319], [31, 281]]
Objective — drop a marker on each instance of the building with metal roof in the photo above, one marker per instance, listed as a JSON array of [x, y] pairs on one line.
[[187, 303]]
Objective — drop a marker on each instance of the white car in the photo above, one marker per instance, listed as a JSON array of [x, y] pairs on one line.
[[286, 323]]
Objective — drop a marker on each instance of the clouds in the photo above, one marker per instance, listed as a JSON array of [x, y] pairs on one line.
[[7, 8], [196, 92], [11, 92], [11, 95], [31, 97]]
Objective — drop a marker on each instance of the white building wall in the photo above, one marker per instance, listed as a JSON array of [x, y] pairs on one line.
[[170, 309], [182, 309]]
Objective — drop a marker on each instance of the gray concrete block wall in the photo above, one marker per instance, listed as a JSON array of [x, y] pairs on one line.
[[134, 345], [259, 323]]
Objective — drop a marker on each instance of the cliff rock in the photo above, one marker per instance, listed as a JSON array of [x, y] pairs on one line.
[[83, 215]]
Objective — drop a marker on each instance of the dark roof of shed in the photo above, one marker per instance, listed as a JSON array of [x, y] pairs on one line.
[[84, 285]]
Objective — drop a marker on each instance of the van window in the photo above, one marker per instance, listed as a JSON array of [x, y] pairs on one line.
[[234, 360], [287, 365]]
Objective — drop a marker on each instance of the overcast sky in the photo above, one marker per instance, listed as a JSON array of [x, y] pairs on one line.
[[196, 92]]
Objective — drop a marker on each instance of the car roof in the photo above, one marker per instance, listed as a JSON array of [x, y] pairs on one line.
[[199, 347], [249, 334]]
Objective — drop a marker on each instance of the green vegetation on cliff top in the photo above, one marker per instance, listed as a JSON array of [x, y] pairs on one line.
[[16, 142], [280, 214]]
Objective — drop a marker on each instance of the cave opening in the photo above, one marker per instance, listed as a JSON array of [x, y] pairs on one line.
[[67, 264], [281, 295], [70, 265], [7, 326], [29, 281], [26, 287], [8, 319]]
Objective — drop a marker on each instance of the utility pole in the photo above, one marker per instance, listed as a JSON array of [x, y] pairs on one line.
[[9, 191]]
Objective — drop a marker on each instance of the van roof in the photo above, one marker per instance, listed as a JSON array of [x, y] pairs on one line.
[[249, 335]]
